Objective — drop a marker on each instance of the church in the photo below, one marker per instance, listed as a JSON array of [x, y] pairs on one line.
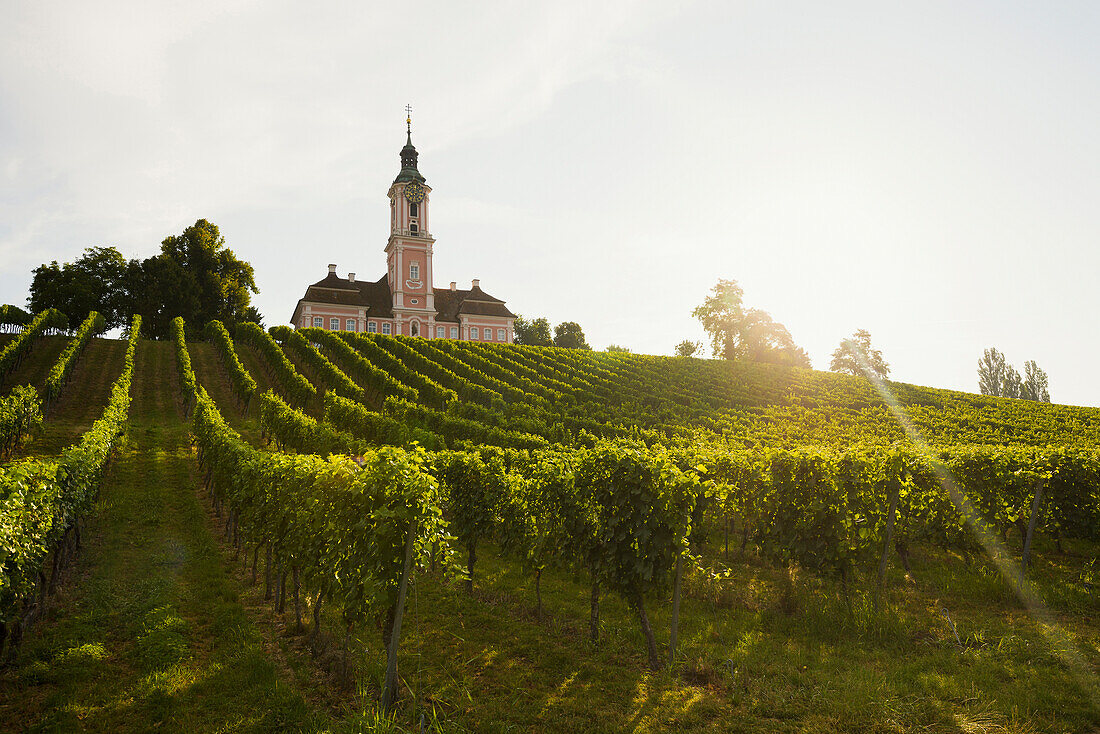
[[404, 301]]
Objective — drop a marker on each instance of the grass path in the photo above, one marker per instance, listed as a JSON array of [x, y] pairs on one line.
[[254, 363], [84, 398], [148, 633], [36, 365], [211, 375]]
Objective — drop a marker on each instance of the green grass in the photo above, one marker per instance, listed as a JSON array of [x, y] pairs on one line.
[[84, 398], [149, 634], [158, 628], [751, 658], [36, 365]]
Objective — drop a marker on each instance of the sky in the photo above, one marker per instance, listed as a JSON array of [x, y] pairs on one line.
[[926, 171]]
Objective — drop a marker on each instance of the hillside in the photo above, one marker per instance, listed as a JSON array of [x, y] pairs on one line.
[[570, 482]]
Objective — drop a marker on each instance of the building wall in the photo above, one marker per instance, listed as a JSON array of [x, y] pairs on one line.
[[428, 326]]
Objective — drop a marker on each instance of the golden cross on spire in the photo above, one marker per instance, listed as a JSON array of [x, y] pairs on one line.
[[408, 117]]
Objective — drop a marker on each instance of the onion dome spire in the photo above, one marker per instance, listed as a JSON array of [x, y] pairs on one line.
[[409, 155]]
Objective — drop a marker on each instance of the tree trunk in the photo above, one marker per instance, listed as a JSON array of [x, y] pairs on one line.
[[267, 573], [297, 601], [1036, 502], [389, 689], [594, 616], [902, 548], [844, 588], [727, 529], [472, 547], [315, 633], [650, 642], [881, 587], [282, 589], [255, 558], [675, 611], [538, 595]]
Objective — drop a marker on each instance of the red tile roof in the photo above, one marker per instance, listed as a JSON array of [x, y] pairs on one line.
[[378, 300]]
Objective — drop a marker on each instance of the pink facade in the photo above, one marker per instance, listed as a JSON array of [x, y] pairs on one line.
[[404, 301]]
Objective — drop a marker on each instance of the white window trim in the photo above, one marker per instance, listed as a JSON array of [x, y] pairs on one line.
[[372, 327], [386, 328]]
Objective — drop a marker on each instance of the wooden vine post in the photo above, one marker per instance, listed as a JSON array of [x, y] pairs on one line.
[[675, 609], [1036, 502], [895, 487], [389, 690]]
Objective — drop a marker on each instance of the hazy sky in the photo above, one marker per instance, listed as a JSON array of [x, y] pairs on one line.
[[926, 171]]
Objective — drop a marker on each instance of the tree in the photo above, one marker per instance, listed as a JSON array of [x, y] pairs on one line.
[[212, 283], [91, 283], [534, 333], [569, 335], [253, 315], [688, 348], [617, 348], [997, 377], [1035, 383], [856, 357], [1012, 384], [991, 372], [746, 334], [194, 276]]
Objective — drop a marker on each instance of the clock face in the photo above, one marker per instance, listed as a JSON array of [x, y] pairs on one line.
[[414, 192]]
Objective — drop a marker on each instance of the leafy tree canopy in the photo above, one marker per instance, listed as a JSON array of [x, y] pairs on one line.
[[991, 372], [739, 333], [1035, 383], [212, 282], [91, 283], [195, 276], [617, 348], [534, 333], [856, 356], [997, 377], [688, 348], [569, 334]]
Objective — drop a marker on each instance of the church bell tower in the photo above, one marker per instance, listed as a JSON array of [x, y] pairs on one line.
[[409, 248]]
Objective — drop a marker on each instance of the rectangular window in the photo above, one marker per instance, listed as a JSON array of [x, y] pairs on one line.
[[500, 335], [440, 332], [385, 327], [474, 333], [372, 327], [334, 324], [414, 272], [318, 322], [454, 332], [350, 324]]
